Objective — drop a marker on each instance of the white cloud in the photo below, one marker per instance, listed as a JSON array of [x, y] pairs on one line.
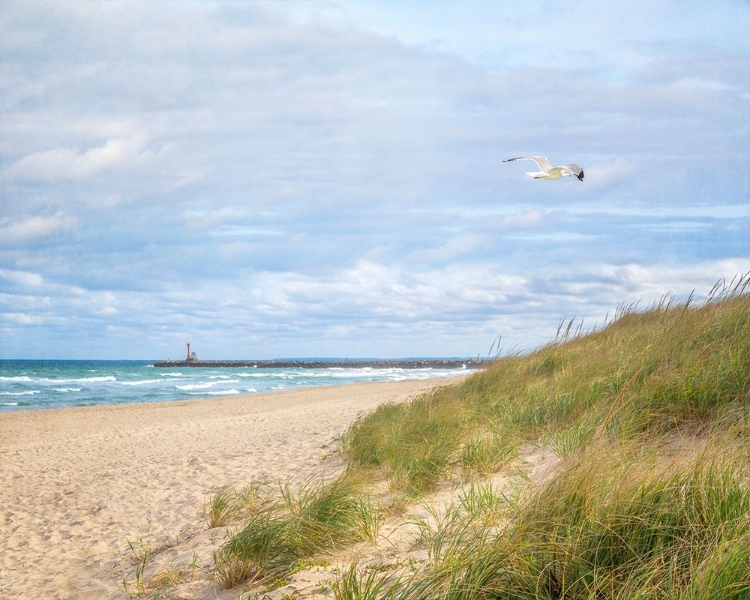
[[524, 220], [22, 278], [22, 318], [74, 163], [33, 228]]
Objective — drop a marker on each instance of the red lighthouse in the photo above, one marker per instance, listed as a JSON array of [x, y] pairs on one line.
[[188, 354]]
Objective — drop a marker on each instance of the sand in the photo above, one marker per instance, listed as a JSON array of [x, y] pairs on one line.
[[78, 485]]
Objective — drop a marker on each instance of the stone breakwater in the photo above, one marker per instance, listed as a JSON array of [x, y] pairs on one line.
[[332, 364]]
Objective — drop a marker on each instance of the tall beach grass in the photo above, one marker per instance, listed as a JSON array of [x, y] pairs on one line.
[[650, 416]]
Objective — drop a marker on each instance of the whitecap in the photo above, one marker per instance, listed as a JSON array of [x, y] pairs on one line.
[[202, 385], [231, 392], [141, 382], [26, 393], [195, 386], [17, 378], [81, 380], [68, 389]]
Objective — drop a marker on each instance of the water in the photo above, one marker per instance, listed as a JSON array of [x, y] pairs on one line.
[[36, 384]]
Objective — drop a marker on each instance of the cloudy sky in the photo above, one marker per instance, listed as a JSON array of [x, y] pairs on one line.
[[304, 178]]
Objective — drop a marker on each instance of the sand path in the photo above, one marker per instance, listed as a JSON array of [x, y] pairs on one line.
[[77, 484]]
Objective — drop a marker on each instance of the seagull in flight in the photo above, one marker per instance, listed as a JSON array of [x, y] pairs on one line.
[[547, 171]]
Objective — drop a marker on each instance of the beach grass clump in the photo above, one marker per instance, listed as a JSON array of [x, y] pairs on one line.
[[362, 584], [230, 505], [485, 453], [569, 442], [446, 532], [327, 515], [314, 518], [221, 508], [482, 503], [253, 498], [260, 549]]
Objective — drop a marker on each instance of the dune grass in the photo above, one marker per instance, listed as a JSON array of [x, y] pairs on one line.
[[650, 416], [616, 525], [282, 529], [667, 369], [221, 508]]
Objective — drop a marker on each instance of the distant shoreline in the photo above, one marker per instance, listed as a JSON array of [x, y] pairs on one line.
[[331, 364]]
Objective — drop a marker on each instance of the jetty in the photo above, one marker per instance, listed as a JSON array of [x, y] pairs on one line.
[[428, 363]]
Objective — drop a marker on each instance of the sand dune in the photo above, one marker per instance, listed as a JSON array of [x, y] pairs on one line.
[[79, 484]]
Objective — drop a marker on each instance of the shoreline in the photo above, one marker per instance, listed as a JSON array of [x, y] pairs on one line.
[[83, 482]]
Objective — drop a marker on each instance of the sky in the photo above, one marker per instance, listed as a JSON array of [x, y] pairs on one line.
[[291, 178]]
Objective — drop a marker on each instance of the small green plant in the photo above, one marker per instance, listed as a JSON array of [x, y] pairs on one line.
[[160, 580], [222, 508], [370, 518], [482, 503], [253, 498], [368, 585], [140, 555]]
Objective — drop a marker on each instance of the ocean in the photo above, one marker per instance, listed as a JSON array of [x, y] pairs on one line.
[[39, 384]]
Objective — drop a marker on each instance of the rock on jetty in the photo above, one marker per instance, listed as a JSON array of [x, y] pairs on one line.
[[429, 363]]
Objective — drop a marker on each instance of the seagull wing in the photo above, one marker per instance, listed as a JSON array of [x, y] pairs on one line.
[[575, 169], [541, 161]]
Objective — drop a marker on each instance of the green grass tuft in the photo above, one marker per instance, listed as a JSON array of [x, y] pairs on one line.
[[314, 518]]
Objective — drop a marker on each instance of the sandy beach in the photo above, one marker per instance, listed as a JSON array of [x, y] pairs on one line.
[[79, 484]]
